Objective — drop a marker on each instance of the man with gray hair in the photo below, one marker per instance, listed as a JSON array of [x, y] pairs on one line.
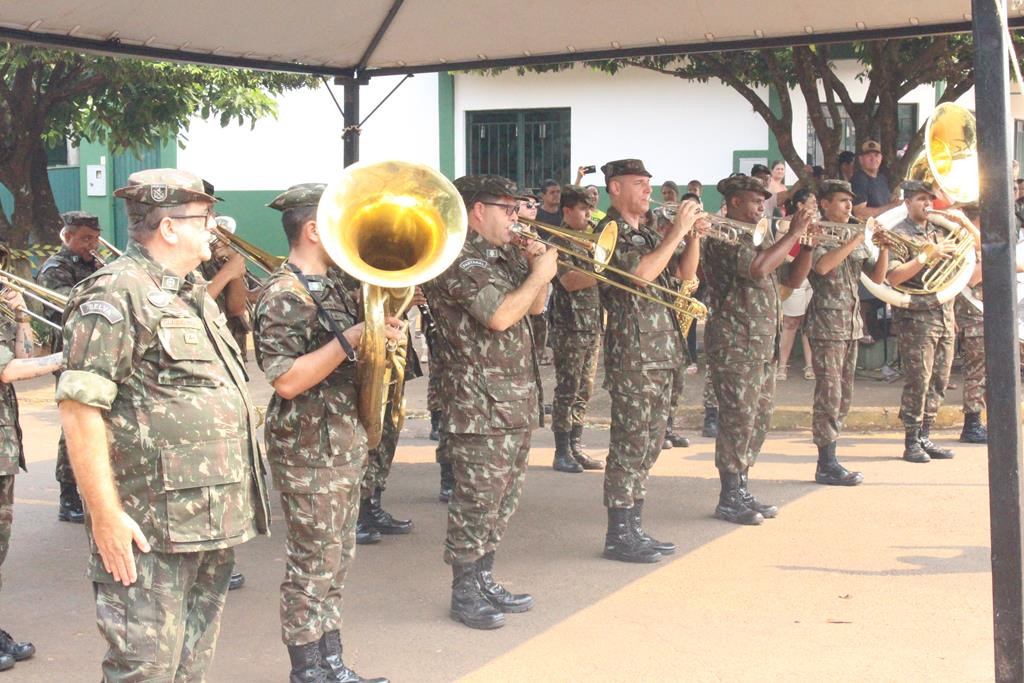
[[73, 263]]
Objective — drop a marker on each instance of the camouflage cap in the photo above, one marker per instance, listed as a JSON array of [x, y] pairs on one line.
[[912, 187], [624, 167], [164, 187], [741, 183], [870, 146], [469, 186], [573, 195], [303, 194], [832, 186], [80, 218]]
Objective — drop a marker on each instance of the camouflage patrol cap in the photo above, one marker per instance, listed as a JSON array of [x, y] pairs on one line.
[[573, 195], [164, 187], [741, 183], [623, 167], [912, 187], [832, 186], [470, 186], [303, 194], [80, 218]]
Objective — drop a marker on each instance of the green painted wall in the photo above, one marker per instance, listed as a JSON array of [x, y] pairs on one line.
[[256, 223], [446, 123]]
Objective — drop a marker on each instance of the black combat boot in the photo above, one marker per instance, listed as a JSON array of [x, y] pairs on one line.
[[17, 651], [912, 451], [830, 472], [974, 431], [620, 543], [576, 447], [306, 664], [636, 521], [435, 425], [710, 429], [564, 461], [469, 604], [671, 438], [70, 508], [366, 534], [334, 667], [447, 482], [934, 451], [236, 581], [381, 520], [731, 506], [497, 594], [767, 511]]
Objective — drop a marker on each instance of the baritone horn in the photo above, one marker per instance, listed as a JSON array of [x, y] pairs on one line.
[[391, 225]]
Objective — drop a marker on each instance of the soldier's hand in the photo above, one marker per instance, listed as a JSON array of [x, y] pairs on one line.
[[354, 335], [394, 329], [545, 264], [417, 297], [801, 221], [114, 537], [13, 298], [687, 214], [234, 265]]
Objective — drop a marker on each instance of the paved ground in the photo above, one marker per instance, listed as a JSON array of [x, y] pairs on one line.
[[886, 582]]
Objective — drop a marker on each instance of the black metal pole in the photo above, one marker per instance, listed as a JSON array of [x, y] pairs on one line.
[[351, 105], [992, 105]]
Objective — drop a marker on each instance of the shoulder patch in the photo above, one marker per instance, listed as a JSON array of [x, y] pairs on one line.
[[471, 263], [316, 286], [159, 298], [103, 308]]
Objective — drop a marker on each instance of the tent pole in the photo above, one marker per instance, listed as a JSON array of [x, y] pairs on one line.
[[992, 103], [351, 106]]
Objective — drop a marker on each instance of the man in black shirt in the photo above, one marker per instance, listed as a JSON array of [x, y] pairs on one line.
[[872, 195], [550, 209]]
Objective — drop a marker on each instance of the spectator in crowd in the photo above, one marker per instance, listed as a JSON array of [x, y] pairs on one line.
[[847, 165], [695, 187], [872, 195], [795, 305], [669, 192], [777, 178], [550, 209]]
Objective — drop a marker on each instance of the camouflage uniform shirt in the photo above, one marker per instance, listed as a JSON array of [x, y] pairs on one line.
[[578, 311], [60, 273], [834, 310], [968, 318], [319, 427], [640, 335], [489, 377], [12, 455], [152, 351], [926, 316], [746, 312]]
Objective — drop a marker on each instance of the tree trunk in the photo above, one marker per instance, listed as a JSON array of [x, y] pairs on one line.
[[35, 219]]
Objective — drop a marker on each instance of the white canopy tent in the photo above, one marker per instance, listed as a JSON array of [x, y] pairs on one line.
[[376, 37], [353, 40]]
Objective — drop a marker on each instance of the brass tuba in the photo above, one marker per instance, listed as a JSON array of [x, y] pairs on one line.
[[391, 225], [950, 161]]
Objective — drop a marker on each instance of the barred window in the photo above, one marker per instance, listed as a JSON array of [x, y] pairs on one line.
[[526, 145], [906, 127]]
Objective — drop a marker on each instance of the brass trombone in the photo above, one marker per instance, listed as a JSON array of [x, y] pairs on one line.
[[600, 246], [682, 304], [264, 260], [46, 297]]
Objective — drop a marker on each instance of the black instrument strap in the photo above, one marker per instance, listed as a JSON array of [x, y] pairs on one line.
[[331, 322]]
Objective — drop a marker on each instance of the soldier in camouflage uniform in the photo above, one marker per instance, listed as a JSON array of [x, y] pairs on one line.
[[742, 338], [833, 327], [491, 382], [971, 322], [642, 345], [663, 222], [315, 444], [162, 436], [575, 333], [16, 363], [59, 273], [924, 332]]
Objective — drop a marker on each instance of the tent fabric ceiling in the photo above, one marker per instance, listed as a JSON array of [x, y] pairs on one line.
[[334, 36]]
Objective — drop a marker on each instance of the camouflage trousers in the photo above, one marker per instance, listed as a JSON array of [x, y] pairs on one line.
[[746, 393], [433, 374], [710, 400], [63, 472], [164, 626], [835, 363], [320, 505], [639, 415], [6, 516], [378, 462], [489, 472], [443, 452], [974, 374], [575, 367], [926, 362]]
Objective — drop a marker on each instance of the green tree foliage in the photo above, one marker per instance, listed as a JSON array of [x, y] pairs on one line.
[[47, 96], [890, 68]]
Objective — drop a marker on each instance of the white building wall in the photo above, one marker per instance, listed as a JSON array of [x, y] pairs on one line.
[[682, 130], [304, 143]]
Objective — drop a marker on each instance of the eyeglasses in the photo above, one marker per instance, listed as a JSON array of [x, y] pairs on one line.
[[509, 208], [208, 216], [528, 205]]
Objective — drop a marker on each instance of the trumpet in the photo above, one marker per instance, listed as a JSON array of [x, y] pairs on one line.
[[829, 234], [683, 305], [728, 230]]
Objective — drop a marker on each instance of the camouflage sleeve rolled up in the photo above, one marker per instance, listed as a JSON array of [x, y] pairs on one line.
[[281, 340], [99, 339]]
